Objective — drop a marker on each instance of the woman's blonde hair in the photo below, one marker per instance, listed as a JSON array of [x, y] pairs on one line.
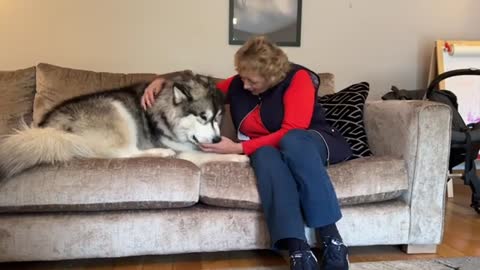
[[261, 56]]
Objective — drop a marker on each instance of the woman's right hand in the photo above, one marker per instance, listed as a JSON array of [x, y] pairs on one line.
[[152, 90]]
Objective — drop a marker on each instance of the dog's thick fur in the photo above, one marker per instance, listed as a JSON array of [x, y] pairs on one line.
[[112, 124]]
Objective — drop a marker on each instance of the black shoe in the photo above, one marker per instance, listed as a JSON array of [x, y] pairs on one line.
[[303, 260], [335, 255]]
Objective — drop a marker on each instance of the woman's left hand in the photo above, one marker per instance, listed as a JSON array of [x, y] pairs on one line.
[[225, 146]]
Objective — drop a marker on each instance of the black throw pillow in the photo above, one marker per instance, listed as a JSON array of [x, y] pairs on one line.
[[344, 111]]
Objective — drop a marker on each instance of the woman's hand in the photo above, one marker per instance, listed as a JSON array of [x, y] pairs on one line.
[[225, 146], [152, 90]]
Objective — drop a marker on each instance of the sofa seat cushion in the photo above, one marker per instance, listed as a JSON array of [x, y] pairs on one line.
[[363, 180], [100, 184]]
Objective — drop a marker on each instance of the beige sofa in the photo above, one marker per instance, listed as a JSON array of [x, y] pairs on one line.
[[113, 208]]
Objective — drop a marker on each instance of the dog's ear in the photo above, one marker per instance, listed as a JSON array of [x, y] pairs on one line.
[[206, 81], [168, 84], [218, 96], [188, 74], [180, 94], [212, 84], [183, 76], [203, 80]]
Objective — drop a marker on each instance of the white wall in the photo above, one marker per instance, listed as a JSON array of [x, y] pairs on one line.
[[384, 42]]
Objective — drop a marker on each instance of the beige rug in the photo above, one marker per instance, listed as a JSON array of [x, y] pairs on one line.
[[465, 263], [468, 263]]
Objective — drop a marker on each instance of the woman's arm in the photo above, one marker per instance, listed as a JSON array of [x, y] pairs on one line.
[[154, 88]]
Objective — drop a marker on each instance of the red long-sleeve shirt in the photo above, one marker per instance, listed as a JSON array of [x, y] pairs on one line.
[[298, 109]]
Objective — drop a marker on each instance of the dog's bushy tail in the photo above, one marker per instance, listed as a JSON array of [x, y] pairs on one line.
[[28, 147]]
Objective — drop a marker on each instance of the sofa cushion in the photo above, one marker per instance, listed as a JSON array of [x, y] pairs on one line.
[[57, 84], [17, 90], [101, 184], [344, 111], [327, 84], [356, 181]]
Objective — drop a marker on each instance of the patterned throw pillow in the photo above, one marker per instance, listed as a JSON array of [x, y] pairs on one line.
[[344, 111]]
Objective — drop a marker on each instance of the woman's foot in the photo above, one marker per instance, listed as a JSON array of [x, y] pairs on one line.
[[303, 260], [301, 257], [335, 255]]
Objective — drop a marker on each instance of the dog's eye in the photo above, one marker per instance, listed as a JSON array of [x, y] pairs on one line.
[[203, 116]]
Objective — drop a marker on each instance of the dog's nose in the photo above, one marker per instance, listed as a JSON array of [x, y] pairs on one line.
[[216, 139]]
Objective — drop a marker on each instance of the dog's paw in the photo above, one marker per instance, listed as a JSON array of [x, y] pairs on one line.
[[199, 158], [168, 153], [159, 152], [237, 158]]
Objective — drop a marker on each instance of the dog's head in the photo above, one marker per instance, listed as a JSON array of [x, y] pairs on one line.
[[192, 108]]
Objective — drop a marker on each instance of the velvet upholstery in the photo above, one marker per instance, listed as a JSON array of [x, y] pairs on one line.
[[365, 180], [418, 132], [56, 84], [388, 223], [194, 229], [129, 207], [100, 184], [327, 84], [17, 90], [128, 233]]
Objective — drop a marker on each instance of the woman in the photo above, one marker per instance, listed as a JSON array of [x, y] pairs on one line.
[[284, 131]]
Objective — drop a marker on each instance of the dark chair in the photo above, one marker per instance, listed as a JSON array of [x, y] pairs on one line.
[[465, 142]]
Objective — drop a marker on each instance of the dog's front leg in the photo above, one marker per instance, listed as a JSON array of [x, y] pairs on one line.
[[155, 152], [199, 158]]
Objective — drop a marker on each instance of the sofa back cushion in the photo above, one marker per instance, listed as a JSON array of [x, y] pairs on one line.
[[17, 90], [56, 84], [327, 84]]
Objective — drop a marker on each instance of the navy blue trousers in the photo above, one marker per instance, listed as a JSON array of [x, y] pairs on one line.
[[294, 186]]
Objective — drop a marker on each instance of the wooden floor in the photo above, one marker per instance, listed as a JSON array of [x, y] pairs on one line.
[[461, 238]]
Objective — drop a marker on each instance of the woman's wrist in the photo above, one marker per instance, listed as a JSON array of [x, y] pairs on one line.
[[158, 81], [239, 149]]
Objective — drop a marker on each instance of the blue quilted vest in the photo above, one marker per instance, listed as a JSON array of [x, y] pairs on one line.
[[242, 102]]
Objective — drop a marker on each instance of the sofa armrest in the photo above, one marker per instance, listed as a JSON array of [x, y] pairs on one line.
[[418, 132]]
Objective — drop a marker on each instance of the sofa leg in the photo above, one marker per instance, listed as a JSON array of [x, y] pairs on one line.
[[419, 249], [450, 188]]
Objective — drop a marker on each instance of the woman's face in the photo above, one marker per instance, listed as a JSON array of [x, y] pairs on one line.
[[254, 83]]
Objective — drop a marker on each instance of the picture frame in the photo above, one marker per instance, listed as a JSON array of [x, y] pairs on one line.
[[279, 20]]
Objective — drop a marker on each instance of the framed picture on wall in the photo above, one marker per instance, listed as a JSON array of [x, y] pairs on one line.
[[279, 20]]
